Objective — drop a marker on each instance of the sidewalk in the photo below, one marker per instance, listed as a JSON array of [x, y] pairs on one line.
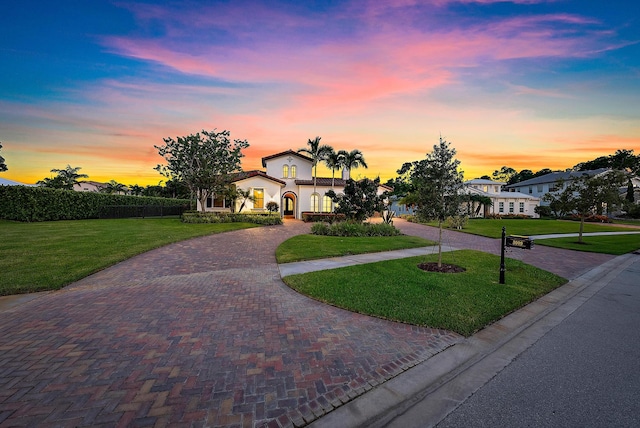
[[573, 235], [287, 269]]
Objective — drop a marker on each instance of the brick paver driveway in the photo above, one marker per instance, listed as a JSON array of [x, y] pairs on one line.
[[198, 333]]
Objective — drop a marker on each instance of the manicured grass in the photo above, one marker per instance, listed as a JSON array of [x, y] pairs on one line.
[[398, 290], [492, 228], [50, 255], [309, 247], [608, 244]]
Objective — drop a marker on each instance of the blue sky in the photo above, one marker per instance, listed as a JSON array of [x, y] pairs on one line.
[[527, 83]]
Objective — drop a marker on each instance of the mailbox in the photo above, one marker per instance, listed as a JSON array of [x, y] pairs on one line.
[[519, 242]]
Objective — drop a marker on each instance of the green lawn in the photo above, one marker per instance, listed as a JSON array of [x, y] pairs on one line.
[[398, 290], [492, 228], [50, 255], [309, 247], [608, 244]]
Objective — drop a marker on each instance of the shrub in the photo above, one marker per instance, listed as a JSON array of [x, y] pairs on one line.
[[509, 216], [272, 206], [457, 222], [633, 211], [263, 219], [409, 217], [320, 228], [592, 218], [24, 203], [309, 217], [348, 228], [543, 210]]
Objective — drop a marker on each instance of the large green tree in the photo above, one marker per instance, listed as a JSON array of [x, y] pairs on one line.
[[317, 152], [622, 159], [438, 183], [504, 174], [3, 165], [589, 195], [360, 199], [203, 161], [64, 179]]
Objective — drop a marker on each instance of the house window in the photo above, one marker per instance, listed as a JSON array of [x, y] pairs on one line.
[[510, 207], [314, 202], [210, 202], [521, 207], [530, 189], [293, 171], [539, 188], [485, 188], [497, 189], [258, 198], [501, 207], [285, 171], [218, 202], [326, 204]]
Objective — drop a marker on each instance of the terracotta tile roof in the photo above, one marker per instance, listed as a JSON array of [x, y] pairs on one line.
[[285, 153]]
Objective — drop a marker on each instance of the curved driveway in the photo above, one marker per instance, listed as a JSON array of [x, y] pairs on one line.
[[198, 333]]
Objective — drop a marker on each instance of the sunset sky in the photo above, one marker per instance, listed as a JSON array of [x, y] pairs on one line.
[[525, 83]]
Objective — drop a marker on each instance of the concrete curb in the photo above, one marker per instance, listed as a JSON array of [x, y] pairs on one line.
[[443, 382]]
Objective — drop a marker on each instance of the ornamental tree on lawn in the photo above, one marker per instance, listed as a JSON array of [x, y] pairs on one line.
[[203, 161], [591, 194], [437, 185]]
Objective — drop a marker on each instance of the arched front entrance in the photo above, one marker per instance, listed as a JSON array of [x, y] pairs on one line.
[[289, 205]]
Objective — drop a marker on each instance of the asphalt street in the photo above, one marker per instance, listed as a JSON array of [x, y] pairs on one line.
[[583, 373]]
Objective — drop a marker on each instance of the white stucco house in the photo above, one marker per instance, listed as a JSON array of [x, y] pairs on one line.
[[503, 202], [548, 183], [89, 186], [288, 181]]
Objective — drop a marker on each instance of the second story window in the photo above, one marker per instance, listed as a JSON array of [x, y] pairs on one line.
[[293, 171], [285, 171]]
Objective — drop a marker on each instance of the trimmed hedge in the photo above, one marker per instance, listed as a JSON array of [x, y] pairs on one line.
[[348, 228], [24, 203], [263, 219], [309, 217]]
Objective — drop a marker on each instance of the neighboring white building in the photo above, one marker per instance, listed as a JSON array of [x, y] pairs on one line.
[[288, 181], [503, 203], [548, 183], [89, 186]]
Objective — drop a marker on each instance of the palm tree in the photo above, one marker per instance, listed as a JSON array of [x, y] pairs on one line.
[[65, 179], [317, 153], [334, 161], [114, 187], [354, 159], [244, 196], [136, 190]]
